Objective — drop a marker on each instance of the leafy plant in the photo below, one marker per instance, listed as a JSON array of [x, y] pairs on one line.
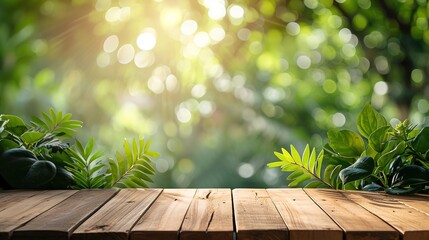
[[307, 168], [40, 155], [132, 169], [379, 157]]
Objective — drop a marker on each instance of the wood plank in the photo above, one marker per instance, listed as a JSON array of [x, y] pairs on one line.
[[61, 220], [116, 218], [356, 221], [10, 197], [413, 224], [209, 216], [417, 201], [164, 218], [304, 218], [256, 216], [23, 211]]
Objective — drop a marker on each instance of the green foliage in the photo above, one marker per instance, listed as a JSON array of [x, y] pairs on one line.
[[306, 170], [21, 169], [382, 157], [132, 168], [86, 166], [37, 156]]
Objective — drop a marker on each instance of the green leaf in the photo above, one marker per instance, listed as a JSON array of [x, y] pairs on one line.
[[421, 141], [14, 125], [410, 175], [295, 155], [302, 167], [346, 143], [275, 164], [56, 124], [306, 157], [302, 178], [372, 187], [362, 168], [313, 184], [393, 149], [319, 163], [379, 138], [134, 165], [402, 191], [32, 137], [370, 120], [86, 166], [21, 169], [6, 144]]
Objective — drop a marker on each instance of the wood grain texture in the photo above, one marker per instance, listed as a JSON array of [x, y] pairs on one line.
[[164, 218], [417, 201], [412, 223], [10, 197], [256, 216], [116, 218], [356, 222], [209, 216], [61, 220], [19, 213], [304, 219]]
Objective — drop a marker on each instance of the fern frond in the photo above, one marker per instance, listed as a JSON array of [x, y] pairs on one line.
[[86, 166], [306, 169], [132, 169], [56, 124]]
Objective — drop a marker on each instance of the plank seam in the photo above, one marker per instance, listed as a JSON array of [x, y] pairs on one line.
[[338, 224], [186, 213], [144, 212], [92, 213], [23, 224], [401, 236]]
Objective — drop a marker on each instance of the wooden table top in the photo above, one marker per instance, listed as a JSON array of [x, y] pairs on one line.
[[296, 214]]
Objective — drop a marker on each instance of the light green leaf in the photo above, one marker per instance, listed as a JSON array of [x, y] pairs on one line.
[[295, 155], [370, 120], [346, 143], [32, 137], [379, 138]]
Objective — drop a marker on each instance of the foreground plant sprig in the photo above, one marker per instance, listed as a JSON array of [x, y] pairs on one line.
[[378, 157], [40, 155]]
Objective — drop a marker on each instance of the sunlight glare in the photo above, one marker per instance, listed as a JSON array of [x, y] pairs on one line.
[[236, 12], [198, 91], [217, 34], [155, 84], [144, 59], [189, 27], [216, 8], [202, 39], [111, 44], [170, 17], [146, 40], [126, 54], [183, 115], [103, 60]]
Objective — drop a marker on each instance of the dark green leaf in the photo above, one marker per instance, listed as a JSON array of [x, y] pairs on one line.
[[421, 141], [373, 187], [362, 168]]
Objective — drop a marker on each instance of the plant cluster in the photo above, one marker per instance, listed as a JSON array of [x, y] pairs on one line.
[[379, 157], [40, 155]]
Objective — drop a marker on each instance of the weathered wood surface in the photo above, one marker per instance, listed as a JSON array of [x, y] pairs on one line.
[[182, 214]]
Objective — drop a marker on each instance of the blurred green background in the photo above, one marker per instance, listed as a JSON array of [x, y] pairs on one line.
[[216, 85]]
